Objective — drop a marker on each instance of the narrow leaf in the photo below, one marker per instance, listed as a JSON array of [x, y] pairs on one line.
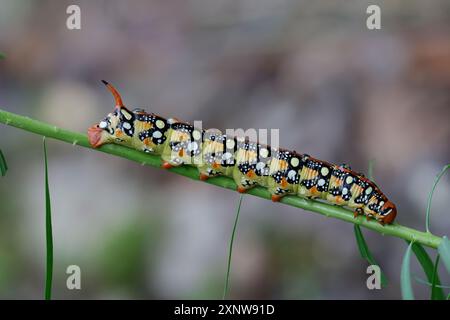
[[230, 251], [362, 246], [430, 196], [425, 282], [365, 252], [3, 165], [48, 232], [427, 266], [405, 276], [444, 251], [436, 294]]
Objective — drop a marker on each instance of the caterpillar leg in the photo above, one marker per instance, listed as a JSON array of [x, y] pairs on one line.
[[206, 172], [358, 212], [241, 189], [244, 185], [170, 163], [243, 181], [276, 197], [166, 165]]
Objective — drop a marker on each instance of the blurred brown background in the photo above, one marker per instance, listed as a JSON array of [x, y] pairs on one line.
[[335, 89]]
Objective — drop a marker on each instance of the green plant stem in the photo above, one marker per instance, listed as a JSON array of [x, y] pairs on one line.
[[430, 196], [48, 232], [230, 250], [405, 275], [328, 210]]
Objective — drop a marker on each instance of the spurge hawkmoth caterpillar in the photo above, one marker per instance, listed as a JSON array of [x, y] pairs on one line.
[[249, 163]]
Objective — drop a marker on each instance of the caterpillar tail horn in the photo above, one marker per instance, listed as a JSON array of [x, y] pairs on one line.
[[115, 93]]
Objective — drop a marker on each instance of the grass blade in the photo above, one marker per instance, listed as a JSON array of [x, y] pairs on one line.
[[230, 251], [430, 196], [444, 251], [365, 252], [405, 275], [427, 266], [48, 232], [425, 282], [361, 242], [435, 294], [3, 165]]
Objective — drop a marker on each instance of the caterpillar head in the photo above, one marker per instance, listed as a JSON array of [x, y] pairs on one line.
[[117, 126], [388, 212]]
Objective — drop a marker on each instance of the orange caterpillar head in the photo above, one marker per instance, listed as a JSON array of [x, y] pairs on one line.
[[388, 212], [117, 126]]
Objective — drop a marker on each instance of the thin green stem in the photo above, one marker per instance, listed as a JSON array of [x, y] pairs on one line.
[[422, 281], [405, 275], [430, 196], [3, 164], [48, 232], [230, 250], [435, 294], [325, 209]]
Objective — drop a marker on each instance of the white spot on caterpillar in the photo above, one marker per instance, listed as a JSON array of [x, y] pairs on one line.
[[344, 191], [230, 144], [321, 182], [103, 124], [125, 114], [192, 146], [127, 126], [227, 156], [324, 171], [260, 165], [295, 162], [368, 190], [157, 134], [292, 174], [160, 124], [196, 135], [264, 153], [349, 179], [381, 203]]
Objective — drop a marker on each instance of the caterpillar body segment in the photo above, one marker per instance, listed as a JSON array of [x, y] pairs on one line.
[[284, 173], [249, 163], [218, 155], [183, 146], [314, 178]]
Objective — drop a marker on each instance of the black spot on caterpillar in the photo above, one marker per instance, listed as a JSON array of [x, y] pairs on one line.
[[249, 163]]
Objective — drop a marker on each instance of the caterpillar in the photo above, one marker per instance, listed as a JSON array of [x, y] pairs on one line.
[[249, 163]]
